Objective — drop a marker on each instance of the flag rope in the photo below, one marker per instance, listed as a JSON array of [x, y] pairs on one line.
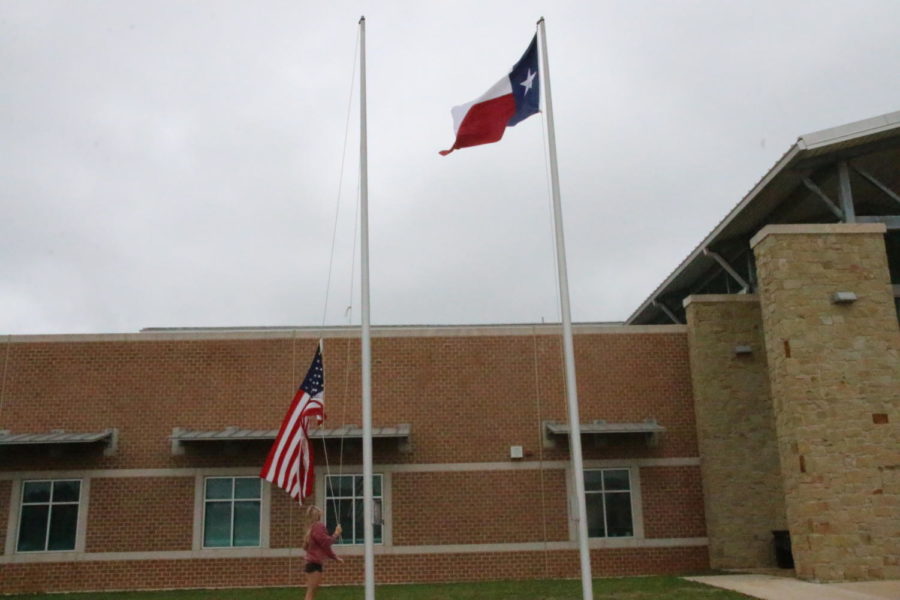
[[537, 404], [328, 483], [550, 221], [349, 314], [344, 404], [547, 180], [296, 486], [337, 209], [348, 311], [5, 369], [560, 355]]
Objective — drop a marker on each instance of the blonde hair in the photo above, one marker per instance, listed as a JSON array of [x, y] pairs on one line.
[[310, 512]]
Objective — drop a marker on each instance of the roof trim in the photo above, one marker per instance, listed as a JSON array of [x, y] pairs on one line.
[[236, 434], [56, 436], [109, 437], [807, 144], [180, 436], [601, 430], [785, 160], [378, 331], [604, 428], [843, 133]]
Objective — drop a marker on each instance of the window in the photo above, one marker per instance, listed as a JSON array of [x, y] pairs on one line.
[[608, 499], [49, 516], [344, 505], [231, 512]]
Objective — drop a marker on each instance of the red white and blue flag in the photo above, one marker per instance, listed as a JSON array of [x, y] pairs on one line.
[[510, 100], [290, 463]]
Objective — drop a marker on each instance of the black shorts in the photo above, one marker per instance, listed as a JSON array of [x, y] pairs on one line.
[[312, 567]]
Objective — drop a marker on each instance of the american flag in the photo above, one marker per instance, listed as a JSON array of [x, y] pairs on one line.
[[290, 461]]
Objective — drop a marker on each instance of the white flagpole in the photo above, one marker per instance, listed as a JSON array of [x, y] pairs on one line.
[[365, 341], [568, 347]]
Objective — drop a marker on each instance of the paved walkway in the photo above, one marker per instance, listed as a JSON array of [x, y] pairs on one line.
[[769, 587]]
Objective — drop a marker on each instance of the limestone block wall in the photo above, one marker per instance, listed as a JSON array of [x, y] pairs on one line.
[[835, 382], [742, 488]]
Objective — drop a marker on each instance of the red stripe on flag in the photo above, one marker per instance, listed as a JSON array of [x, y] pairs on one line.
[[289, 464], [290, 418], [484, 123]]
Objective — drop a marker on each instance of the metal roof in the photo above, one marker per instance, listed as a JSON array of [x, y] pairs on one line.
[[238, 434], [602, 428], [851, 134], [874, 143], [55, 436]]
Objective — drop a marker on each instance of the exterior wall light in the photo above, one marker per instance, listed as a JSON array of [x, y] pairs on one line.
[[843, 298], [739, 350]]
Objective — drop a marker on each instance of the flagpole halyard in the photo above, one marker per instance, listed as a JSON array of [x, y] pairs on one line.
[[568, 346]]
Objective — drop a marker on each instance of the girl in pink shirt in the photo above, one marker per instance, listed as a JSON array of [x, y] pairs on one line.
[[317, 544]]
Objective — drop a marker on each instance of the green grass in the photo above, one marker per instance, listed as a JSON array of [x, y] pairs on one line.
[[626, 588]]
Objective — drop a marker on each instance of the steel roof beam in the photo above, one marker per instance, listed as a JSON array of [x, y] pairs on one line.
[[823, 196], [668, 312], [871, 179], [845, 192], [728, 269]]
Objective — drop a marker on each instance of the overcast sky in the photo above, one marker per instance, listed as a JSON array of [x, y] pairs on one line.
[[173, 163]]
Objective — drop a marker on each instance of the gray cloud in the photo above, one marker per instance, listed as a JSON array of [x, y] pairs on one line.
[[177, 164]]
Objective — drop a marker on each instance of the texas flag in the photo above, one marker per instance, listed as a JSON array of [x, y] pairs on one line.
[[510, 100]]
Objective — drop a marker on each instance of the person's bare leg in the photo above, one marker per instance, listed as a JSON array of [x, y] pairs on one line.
[[312, 583]]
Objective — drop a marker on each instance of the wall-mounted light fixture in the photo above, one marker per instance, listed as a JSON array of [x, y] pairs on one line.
[[739, 350], [843, 298]]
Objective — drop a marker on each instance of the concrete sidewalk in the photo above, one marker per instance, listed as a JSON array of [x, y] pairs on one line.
[[769, 587]]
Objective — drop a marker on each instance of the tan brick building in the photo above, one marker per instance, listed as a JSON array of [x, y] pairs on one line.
[[757, 389], [791, 306]]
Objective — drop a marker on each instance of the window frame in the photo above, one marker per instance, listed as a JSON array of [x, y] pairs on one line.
[[637, 510], [231, 501], [602, 494], [265, 517], [13, 537], [322, 497]]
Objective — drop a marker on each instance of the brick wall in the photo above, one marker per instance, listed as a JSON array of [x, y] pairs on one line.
[[736, 430], [144, 389], [631, 378], [672, 502], [148, 574], [251, 572], [479, 507], [288, 519], [140, 514], [147, 387], [467, 397]]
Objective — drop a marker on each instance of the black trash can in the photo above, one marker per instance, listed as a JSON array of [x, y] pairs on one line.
[[783, 557]]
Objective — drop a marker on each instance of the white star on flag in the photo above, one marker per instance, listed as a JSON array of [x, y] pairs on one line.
[[527, 82]]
